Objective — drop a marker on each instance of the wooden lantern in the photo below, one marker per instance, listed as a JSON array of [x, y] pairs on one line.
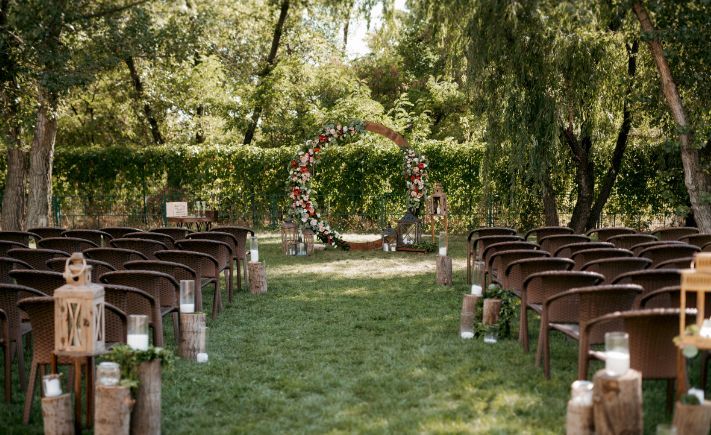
[[79, 311], [289, 237], [698, 282], [409, 230], [437, 202], [309, 237]]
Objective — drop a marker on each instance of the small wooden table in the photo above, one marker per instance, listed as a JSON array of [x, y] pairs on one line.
[[200, 223], [77, 362]]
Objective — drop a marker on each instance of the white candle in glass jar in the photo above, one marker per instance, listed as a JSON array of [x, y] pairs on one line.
[[443, 252], [137, 341], [52, 388], [466, 334], [202, 357], [616, 363], [254, 255], [385, 247], [187, 308], [393, 247], [476, 290]]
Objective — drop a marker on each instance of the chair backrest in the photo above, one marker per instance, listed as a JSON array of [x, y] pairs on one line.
[[675, 263], [662, 253], [699, 240], [479, 245], [491, 250], [553, 242], [115, 325], [116, 257], [587, 255], [168, 241], [174, 232], [22, 237], [499, 262], [642, 246], [219, 236], [220, 251], [517, 271], [118, 232], [706, 247], [66, 244], [204, 265], [6, 246], [47, 232], [567, 251], [602, 234], [10, 295], [542, 285], [541, 232], [7, 264], [178, 271], [43, 280], [670, 297], [650, 279], [130, 300], [674, 233], [163, 287], [613, 267], [627, 241], [40, 311], [100, 238], [240, 234], [490, 231], [145, 246], [596, 301], [37, 258], [98, 267]]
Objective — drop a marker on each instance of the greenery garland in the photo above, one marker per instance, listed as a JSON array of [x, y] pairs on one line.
[[304, 209]]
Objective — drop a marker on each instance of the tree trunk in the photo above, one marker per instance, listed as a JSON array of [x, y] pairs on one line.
[[584, 178], [257, 278], [146, 412], [617, 403], [550, 206], [698, 183], [147, 109], [57, 415], [271, 62], [112, 414], [13, 200], [41, 159]]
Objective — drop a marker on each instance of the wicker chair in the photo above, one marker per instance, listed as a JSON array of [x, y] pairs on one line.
[[499, 262], [174, 232], [37, 258], [131, 300], [98, 268], [650, 279], [206, 270], [116, 257], [221, 252], [6, 246], [585, 256], [517, 271], [147, 247], [556, 241], [7, 264], [674, 233], [178, 271], [541, 232], [492, 250], [43, 280], [660, 254], [568, 312], [706, 248], [602, 234], [47, 232], [7, 360], [538, 287], [567, 251], [10, 295], [613, 267], [240, 234], [100, 238], [23, 237], [118, 232], [476, 250], [115, 325], [627, 241], [66, 244], [642, 246], [699, 240], [675, 263], [168, 241], [231, 241]]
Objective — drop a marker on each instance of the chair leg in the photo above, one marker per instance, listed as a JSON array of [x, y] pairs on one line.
[[8, 371], [239, 274], [29, 394], [20, 362], [469, 266], [157, 328], [228, 277], [216, 300], [176, 326]]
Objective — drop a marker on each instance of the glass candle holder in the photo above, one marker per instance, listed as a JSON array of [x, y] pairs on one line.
[[491, 335], [617, 353], [386, 247], [393, 247], [442, 244], [201, 356], [301, 249], [108, 373], [137, 332], [52, 385], [581, 392], [187, 296], [253, 249]]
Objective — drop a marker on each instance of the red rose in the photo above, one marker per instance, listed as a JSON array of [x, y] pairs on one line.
[[294, 164], [304, 169], [412, 178], [421, 166], [317, 149], [322, 138]]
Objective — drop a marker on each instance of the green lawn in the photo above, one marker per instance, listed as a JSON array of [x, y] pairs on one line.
[[353, 342]]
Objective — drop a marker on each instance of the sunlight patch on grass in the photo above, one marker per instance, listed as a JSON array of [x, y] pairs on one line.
[[374, 268]]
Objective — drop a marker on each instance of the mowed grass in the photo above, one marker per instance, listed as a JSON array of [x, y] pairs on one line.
[[361, 342]]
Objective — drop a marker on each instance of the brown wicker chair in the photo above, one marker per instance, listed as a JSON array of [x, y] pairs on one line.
[[675, 263], [699, 240], [556, 241], [669, 297], [642, 246], [168, 241], [98, 268], [118, 232], [115, 325], [674, 233], [613, 267], [45, 281], [650, 279], [37, 258], [491, 250], [567, 251], [131, 300], [22, 237], [240, 234], [706, 248], [541, 232], [174, 232], [231, 241], [569, 311], [145, 246], [116, 257], [7, 264], [517, 271], [585, 256], [660, 254], [478, 246], [627, 241], [602, 234], [220, 251], [499, 262], [66, 244], [7, 361], [47, 232], [6, 246], [206, 270], [538, 287], [100, 238]]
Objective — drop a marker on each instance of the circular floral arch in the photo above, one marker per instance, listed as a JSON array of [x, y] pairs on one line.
[[304, 209]]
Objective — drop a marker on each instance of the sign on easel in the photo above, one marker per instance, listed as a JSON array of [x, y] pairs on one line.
[[176, 209]]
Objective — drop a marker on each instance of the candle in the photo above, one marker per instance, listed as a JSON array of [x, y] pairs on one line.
[[698, 392], [254, 256], [52, 387], [617, 362], [466, 334], [490, 338], [187, 308], [581, 393], [476, 290], [137, 341], [108, 373], [385, 247], [201, 357], [393, 247], [443, 252]]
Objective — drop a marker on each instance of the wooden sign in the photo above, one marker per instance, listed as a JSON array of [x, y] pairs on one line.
[[176, 209]]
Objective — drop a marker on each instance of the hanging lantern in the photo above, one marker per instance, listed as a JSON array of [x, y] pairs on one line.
[[696, 284], [409, 230], [309, 237], [79, 311], [437, 202], [289, 237]]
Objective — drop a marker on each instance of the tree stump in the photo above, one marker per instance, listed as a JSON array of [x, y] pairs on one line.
[[579, 418], [692, 419], [466, 323], [192, 335], [146, 414], [112, 414], [491, 311], [444, 270], [617, 403], [58, 415], [257, 278]]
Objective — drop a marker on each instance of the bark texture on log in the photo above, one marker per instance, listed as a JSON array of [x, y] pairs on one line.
[[13, 199], [491, 311], [257, 278], [112, 414], [192, 335], [41, 159], [617, 403], [58, 415], [579, 419], [466, 323], [146, 414], [444, 270], [692, 419]]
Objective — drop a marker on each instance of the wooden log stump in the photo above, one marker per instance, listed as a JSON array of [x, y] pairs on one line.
[[58, 415], [444, 270], [491, 311], [579, 418], [112, 414], [692, 419], [617, 403], [257, 278], [466, 323], [146, 414], [192, 335]]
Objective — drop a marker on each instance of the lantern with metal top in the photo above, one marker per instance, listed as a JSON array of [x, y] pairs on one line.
[[79, 311], [409, 230], [309, 237], [437, 202], [289, 236]]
